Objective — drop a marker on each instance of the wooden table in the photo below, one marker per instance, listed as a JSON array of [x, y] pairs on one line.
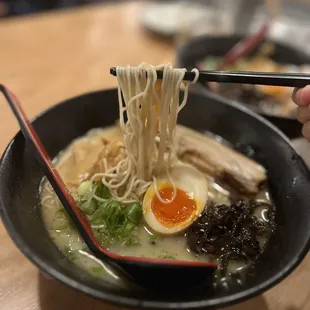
[[49, 57]]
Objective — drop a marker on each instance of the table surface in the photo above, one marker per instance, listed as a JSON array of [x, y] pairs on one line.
[[53, 56]]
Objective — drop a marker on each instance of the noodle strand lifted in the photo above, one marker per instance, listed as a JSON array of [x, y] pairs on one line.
[[148, 119]]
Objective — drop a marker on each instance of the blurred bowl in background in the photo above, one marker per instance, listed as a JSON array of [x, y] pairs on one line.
[[190, 54]]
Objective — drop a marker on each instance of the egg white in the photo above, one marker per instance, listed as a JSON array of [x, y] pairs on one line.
[[187, 178]]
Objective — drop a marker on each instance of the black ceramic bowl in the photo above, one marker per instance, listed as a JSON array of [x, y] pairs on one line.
[[289, 179], [189, 54]]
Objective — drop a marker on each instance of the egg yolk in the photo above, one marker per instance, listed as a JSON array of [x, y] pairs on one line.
[[177, 211]]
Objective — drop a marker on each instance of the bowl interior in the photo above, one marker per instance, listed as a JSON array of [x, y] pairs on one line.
[[200, 47], [289, 180]]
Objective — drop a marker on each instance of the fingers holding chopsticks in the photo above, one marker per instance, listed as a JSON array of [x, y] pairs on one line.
[[301, 96]]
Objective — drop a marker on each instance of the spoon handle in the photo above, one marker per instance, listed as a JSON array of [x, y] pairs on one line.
[[52, 174]]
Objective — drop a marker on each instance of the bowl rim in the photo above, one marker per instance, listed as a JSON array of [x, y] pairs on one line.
[[181, 51], [118, 299]]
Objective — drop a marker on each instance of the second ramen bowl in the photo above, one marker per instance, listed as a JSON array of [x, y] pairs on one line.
[[194, 51], [289, 182]]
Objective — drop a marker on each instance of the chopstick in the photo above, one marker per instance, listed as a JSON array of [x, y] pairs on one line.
[[245, 77], [245, 46]]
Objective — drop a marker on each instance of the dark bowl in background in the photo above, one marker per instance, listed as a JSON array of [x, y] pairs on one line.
[[289, 181], [195, 50]]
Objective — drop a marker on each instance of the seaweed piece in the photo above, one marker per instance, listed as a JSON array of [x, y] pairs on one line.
[[230, 232]]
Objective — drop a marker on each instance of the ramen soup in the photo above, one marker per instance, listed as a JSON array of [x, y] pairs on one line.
[[153, 192]]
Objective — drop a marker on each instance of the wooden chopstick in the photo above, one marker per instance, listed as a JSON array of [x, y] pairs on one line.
[[245, 77]]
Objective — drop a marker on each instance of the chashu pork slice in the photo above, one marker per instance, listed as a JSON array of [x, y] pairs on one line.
[[219, 161]]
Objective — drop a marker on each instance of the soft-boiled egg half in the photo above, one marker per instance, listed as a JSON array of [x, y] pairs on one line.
[[167, 216]]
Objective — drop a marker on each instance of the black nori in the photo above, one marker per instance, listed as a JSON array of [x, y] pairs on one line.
[[230, 232]]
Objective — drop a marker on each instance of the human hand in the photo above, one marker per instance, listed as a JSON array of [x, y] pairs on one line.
[[301, 96]]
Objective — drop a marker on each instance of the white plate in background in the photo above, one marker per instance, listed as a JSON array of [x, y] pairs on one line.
[[166, 18]]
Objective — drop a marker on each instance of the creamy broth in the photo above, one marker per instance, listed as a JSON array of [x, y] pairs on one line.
[[73, 165]]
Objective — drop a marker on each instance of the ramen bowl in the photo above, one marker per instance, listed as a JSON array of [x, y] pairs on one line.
[[289, 182], [190, 54]]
